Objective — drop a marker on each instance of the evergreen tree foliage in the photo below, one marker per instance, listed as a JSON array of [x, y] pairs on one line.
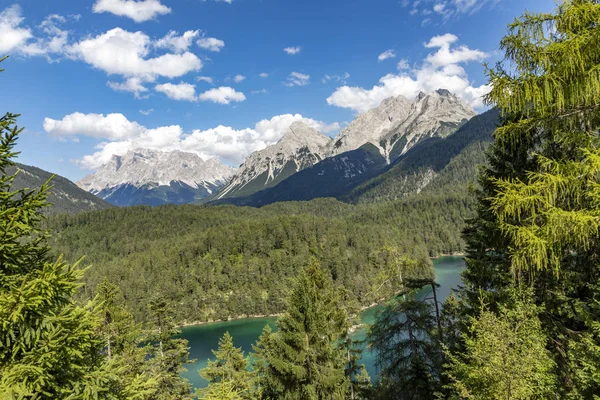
[[505, 355], [408, 350], [168, 354], [49, 349], [303, 359], [538, 214], [229, 368]]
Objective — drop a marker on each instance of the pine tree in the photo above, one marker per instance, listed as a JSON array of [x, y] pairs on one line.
[[169, 354], [408, 350], [505, 355], [303, 359], [230, 367], [49, 349]]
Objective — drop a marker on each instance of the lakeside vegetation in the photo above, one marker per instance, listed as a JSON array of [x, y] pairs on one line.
[[216, 263]]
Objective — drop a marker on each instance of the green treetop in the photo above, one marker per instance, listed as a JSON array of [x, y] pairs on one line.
[[303, 359], [230, 369]]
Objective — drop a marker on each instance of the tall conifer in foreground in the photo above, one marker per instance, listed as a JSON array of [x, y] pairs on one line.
[[49, 348], [539, 216], [303, 359]]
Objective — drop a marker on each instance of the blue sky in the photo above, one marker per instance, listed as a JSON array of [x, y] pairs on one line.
[[93, 78]]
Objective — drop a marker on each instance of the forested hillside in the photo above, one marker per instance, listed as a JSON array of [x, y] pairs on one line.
[[65, 196], [438, 163], [225, 261]]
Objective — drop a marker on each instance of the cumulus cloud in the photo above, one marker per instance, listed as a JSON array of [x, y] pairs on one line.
[[293, 50], [222, 95], [297, 79], [206, 79], [16, 38], [227, 143], [99, 126], [178, 44], [403, 64], [133, 85], [147, 112], [386, 55], [180, 91], [440, 69], [263, 75], [121, 52], [13, 36], [139, 11], [211, 44], [239, 78]]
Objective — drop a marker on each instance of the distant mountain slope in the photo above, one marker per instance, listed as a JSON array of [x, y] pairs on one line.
[[65, 196], [331, 177], [300, 147], [398, 125], [154, 178], [434, 164], [363, 175]]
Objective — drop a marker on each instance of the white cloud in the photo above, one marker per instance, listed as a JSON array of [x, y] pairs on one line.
[[120, 135], [206, 79], [120, 52], [99, 126], [13, 35], [263, 75], [222, 95], [386, 54], [293, 50], [133, 85], [297, 79], [441, 69], [403, 64], [211, 44], [261, 91], [239, 78], [139, 11], [147, 112], [446, 9], [18, 39], [336, 78], [180, 91], [178, 44]]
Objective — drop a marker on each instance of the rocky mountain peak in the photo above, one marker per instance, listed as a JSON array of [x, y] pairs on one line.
[[300, 147], [141, 167], [398, 124]]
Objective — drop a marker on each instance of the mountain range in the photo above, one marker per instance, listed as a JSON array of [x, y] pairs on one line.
[[154, 178], [64, 195], [392, 151]]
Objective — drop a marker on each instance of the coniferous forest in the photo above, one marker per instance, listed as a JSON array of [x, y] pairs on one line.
[[90, 304]]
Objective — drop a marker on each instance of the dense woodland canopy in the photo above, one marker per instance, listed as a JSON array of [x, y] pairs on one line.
[[221, 262]]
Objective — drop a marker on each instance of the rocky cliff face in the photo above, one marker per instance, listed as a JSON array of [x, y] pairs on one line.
[[397, 125], [300, 147], [154, 177]]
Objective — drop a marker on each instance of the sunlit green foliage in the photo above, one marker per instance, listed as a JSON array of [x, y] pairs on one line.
[[303, 359], [505, 355]]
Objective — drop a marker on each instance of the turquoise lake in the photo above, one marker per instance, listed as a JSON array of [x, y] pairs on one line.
[[203, 338]]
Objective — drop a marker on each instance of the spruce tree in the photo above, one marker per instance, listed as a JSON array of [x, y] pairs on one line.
[[408, 349], [303, 359], [49, 349], [169, 354], [539, 213], [230, 368]]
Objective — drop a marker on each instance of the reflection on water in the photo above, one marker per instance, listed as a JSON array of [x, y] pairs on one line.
[[203, 338]]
